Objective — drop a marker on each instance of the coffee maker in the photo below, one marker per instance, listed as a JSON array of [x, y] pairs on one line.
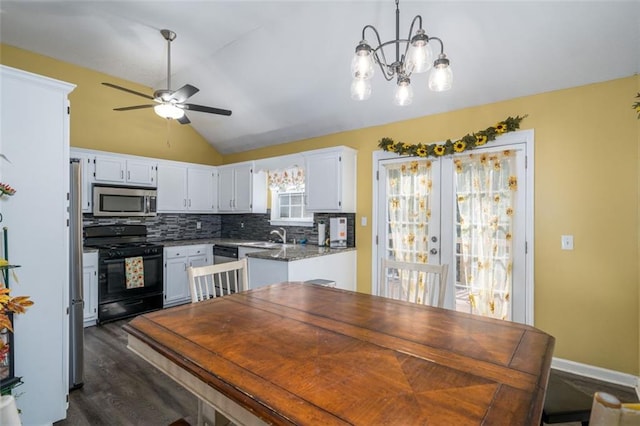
[[338, 232]]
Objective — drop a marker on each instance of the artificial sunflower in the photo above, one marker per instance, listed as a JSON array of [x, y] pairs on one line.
[[459, 146]]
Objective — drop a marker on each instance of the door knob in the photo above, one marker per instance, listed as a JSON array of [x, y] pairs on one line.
[[434, 239]]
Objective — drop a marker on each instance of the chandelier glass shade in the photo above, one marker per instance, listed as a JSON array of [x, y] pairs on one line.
[[168, 110], [418, 58]]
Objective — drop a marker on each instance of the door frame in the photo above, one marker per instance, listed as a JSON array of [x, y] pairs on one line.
[[525, 137]]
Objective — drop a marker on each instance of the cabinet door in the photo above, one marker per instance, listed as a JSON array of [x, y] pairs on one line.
[[322, 186], [200, 184], [86, 164], [225, 189], [109, 169], [243, 188], [141, 173], [172, 188], [175, 279], [90, 287]]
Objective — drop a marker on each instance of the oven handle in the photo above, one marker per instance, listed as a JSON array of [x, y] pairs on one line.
[[121, 259]]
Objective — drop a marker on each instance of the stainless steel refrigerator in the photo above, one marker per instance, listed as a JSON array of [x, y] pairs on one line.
[[76, 302]]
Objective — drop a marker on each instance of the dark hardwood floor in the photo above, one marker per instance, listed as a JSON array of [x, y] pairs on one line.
[[120, 388]]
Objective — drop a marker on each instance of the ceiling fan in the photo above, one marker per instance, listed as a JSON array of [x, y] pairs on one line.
[[170, 103]]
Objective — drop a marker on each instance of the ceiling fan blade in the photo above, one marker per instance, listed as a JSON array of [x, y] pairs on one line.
[[124, 89], [183, 93], [210, 110], [184, 119], [133, 107]]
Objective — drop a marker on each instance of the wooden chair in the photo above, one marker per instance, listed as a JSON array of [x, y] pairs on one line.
[[607, 410], [413, 282], [206, 282]]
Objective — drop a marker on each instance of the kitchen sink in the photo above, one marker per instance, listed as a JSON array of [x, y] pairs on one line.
[[263, 244]]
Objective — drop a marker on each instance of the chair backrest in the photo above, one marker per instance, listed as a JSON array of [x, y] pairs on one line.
[[206, 282], [413, 282], [607, 410]]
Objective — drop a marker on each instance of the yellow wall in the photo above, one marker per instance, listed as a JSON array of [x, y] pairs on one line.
[[587, 182], [96, 126]]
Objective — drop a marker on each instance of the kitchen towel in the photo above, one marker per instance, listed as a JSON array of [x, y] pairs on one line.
[[134, 272]]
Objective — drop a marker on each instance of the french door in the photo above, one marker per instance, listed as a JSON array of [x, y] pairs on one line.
[[472, 211]]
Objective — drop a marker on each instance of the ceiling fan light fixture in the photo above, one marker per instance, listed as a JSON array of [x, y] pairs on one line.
[[169, 111]]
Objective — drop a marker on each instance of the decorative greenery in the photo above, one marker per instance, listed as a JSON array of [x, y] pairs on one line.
[[636, 106], [6, 189], [465, 143]]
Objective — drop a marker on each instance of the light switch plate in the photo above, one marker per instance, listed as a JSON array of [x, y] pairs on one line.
[[567, 242], [363, 221]]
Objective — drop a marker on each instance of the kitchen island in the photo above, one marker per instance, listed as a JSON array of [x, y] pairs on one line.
[[303, 263], [271, 262]]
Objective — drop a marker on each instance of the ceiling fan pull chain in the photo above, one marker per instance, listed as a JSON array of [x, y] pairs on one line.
[[168, 130]]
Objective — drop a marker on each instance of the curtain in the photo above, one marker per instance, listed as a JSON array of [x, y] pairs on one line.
[[287, 180], [486, 185], [409, 186]]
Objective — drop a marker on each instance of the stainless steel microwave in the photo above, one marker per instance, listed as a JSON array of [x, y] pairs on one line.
[[124, 201]]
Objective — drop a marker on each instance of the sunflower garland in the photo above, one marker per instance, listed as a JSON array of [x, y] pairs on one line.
[[636, 106], [465, 143]]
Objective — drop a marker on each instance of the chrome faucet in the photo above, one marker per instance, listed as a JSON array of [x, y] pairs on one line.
[[282, 235]]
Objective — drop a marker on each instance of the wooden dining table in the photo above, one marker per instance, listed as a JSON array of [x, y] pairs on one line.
[[303, 354]]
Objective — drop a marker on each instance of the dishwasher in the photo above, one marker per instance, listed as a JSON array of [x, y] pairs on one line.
[[224, 254]]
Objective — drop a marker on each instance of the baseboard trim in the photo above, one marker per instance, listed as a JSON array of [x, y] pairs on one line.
[[597, 373]]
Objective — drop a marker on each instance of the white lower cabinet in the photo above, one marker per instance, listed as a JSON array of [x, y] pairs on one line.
[[90, 287], [176, 261], [338, 267]]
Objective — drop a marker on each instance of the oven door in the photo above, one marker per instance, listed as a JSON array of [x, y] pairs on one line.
[[112, 281]]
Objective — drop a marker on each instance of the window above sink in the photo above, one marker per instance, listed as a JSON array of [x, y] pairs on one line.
[[288, 198]]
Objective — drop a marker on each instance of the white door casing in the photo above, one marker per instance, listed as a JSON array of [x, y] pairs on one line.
[[521, 143]]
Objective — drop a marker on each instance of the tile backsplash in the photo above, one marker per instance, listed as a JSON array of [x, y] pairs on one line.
[[173, 227]]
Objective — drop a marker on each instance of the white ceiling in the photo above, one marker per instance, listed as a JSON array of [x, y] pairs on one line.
[[282, 67]]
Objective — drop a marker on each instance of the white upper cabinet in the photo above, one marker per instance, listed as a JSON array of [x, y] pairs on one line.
[[120, 170], [201, 189], [241, 190], [172, 187], [142, 173], [331, 180], [186, 188]]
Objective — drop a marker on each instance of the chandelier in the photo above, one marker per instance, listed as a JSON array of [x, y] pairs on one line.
[[417, 58]]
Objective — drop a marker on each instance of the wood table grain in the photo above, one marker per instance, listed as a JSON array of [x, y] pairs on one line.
[[294, 353]]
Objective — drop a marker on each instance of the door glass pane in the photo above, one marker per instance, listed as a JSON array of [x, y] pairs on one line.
[[486, 188], [409, 204]]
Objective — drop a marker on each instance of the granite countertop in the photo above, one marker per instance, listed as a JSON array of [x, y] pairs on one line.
[[291, 252], [274, 251]]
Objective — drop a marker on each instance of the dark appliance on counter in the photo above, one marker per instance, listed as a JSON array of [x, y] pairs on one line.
[[130, 270]]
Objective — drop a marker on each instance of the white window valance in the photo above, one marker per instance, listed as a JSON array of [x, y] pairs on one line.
[[290, 179]]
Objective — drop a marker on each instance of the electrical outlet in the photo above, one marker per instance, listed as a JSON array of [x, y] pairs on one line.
[[241, 225], [567, 242], [198, 225]]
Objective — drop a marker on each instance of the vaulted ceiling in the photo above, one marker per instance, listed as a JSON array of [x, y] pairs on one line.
[[282, 67]]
